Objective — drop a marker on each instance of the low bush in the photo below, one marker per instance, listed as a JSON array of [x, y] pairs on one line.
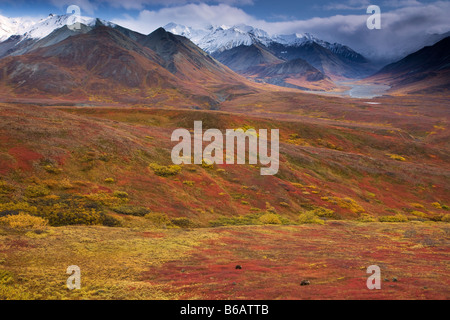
[[366, 218], [120, 194], [159, 220], [396, 157], [183, 222], [6, 188], [131, 210], [165, 171], [397, 218], [437, 205], [269, 218], [36, 191], [309, 217], [23, 221]]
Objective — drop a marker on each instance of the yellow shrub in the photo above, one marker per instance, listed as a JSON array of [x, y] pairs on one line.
[[396, 157], [347, 203], [207, 165], [189, 183], [419, 214], [110, 180], [309, 217], [19, 207], [269, 218], [107, 199], [437, 205], [6, 188], [165, 171], [270, 209], [446, 218], [160, 220], [366, 218], [23, 221], [36, 191]]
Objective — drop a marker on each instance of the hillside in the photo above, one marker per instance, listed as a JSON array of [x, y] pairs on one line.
[[425, 71]]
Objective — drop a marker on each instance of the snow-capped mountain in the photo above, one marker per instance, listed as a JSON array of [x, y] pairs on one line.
[[13, 26], [231, 44], [221, 38], [38, 29]]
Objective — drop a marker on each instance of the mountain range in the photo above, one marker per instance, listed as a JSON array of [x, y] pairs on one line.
[[335, 60], [196, 68]]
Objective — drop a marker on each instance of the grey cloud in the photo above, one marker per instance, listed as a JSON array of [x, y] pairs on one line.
[[403, 29]]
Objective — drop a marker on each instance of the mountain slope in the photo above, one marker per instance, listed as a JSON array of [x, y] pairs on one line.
[[104, 64], [292, 74], [199, 71], [336, 64], [425, 71], [83, 62], [243, 57]]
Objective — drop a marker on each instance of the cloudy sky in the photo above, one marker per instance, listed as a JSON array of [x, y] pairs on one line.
[[405, 24]]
